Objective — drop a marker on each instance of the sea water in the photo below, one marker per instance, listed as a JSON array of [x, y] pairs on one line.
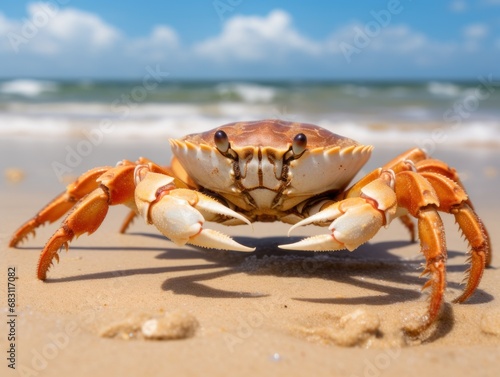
[[411, 113]]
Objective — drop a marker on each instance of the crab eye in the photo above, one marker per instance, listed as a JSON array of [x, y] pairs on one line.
[[299, 144], [221, 141]]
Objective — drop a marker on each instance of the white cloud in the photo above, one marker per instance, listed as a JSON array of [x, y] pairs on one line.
[[400, 39], [69, 41], [156, 46], [165, 34], [50, 30], [473, 35], [357, 41], [475, 31], [397, 38], [254, 38], [344, 34], [458, 6], [72, 24], [6, 26]]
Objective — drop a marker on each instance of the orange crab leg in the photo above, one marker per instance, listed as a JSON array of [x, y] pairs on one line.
[[60, 205], [447, 195], [116, 187], [436, 166], [129, 219], [408, 223], [433, 246], [86, 218], [475, 233], [449, 192], [413, 155], [417, 195], [453, 199], [426, 165], [439, 167]]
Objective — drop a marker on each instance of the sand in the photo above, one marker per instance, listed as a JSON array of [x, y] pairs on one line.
[[136, 304]]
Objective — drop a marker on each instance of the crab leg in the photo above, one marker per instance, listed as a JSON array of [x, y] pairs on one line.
[[433, 246], [409, 225], [180, 214], [128, 221], [86, 218], [454, 200], [376, 206], [116, 186], [480, 253], [439, 167], [419, 197], [60, 205]]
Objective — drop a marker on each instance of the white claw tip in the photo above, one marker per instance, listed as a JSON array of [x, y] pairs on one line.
[[322, 242], [212, 239]]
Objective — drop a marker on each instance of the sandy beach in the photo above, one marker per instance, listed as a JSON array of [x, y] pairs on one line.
[[270, 312]]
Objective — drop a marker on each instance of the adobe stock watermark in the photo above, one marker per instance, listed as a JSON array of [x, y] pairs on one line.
[[371, 29], [459, 111], [40, 357], [45, 12], [121, 107], [222, 7]]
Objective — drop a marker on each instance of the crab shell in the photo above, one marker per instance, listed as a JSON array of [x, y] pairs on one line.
[[262, 179]]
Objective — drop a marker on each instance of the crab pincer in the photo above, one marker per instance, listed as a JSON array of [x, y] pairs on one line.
[[180, 214]]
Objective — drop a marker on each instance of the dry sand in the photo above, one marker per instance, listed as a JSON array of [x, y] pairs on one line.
[[219, 313]]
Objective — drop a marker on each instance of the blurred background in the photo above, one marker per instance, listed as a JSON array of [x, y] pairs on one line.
[[421, 73]]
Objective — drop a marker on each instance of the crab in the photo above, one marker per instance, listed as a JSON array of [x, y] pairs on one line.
[[274, 170]]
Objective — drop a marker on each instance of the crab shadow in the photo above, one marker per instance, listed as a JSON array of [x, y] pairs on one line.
[[388, 278], [372, 267]]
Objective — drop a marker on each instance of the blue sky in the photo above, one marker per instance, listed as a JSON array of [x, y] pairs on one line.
[[213, 39]]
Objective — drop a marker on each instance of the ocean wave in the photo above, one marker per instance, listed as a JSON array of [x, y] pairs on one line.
[[140, 112], [360, 91], [426, 135], [247, 92], [443, 89], [27, 88], [375, 113]]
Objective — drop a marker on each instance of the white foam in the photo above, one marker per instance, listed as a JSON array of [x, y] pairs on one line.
[[443, 89], [356, 90], [149, 121], [27, 88], [486, 133], [249, 93], [35, 126]]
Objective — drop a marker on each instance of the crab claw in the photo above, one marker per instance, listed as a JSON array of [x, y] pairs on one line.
[[355, 221], [179, 214]]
